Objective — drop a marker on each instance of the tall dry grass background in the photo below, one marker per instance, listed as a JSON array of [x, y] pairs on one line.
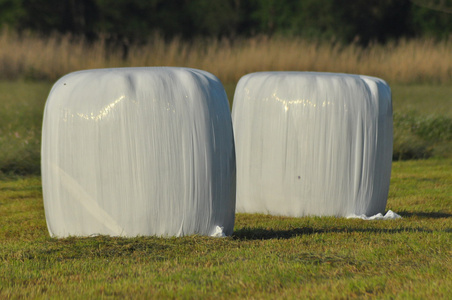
[[405, 61]]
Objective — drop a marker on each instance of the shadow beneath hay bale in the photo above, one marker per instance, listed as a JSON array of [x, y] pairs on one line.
[[266, 234]]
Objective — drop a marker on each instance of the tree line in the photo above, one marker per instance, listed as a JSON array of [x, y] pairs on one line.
[[361, 21]]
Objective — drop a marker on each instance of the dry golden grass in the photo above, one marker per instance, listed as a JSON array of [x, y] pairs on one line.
[[405, 61]]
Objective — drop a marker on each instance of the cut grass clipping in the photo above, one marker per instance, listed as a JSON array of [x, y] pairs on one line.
[[267, 257]]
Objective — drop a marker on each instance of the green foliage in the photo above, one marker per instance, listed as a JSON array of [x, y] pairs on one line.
[[434, 128], [20, 126], [214, 18], [267, 257], [418, 136], [422, 121], [10, 12], [428, 16], [135, 20], [318, 19], [360, 21]]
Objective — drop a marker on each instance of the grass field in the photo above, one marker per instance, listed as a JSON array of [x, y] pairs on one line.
[[267, 257]]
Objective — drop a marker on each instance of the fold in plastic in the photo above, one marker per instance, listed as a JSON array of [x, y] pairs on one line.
[[390, 215], [138, 151], [312, 143]]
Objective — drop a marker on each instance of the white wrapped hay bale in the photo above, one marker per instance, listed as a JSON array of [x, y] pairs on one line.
[[312, 143], [138, 151]]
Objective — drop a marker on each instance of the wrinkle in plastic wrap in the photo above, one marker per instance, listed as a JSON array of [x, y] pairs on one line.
[[312, 143], [390, 215], [138, 151]]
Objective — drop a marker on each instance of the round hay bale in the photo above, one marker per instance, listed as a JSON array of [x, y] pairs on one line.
[[312, 143], [138, 152]]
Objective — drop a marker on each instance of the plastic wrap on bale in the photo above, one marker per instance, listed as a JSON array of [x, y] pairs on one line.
[[312, 144], [138, 152]]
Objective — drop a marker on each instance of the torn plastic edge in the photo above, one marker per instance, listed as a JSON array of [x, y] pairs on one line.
[[218, 232], [390, 215]]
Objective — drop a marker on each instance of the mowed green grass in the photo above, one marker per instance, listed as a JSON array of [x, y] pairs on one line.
[[267, 257]]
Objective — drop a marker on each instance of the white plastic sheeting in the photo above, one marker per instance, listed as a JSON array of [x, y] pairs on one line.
[[138, 151], [390, 215], [312, 144]]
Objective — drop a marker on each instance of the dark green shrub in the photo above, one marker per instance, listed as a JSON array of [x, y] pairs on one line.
[[417, 136]]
